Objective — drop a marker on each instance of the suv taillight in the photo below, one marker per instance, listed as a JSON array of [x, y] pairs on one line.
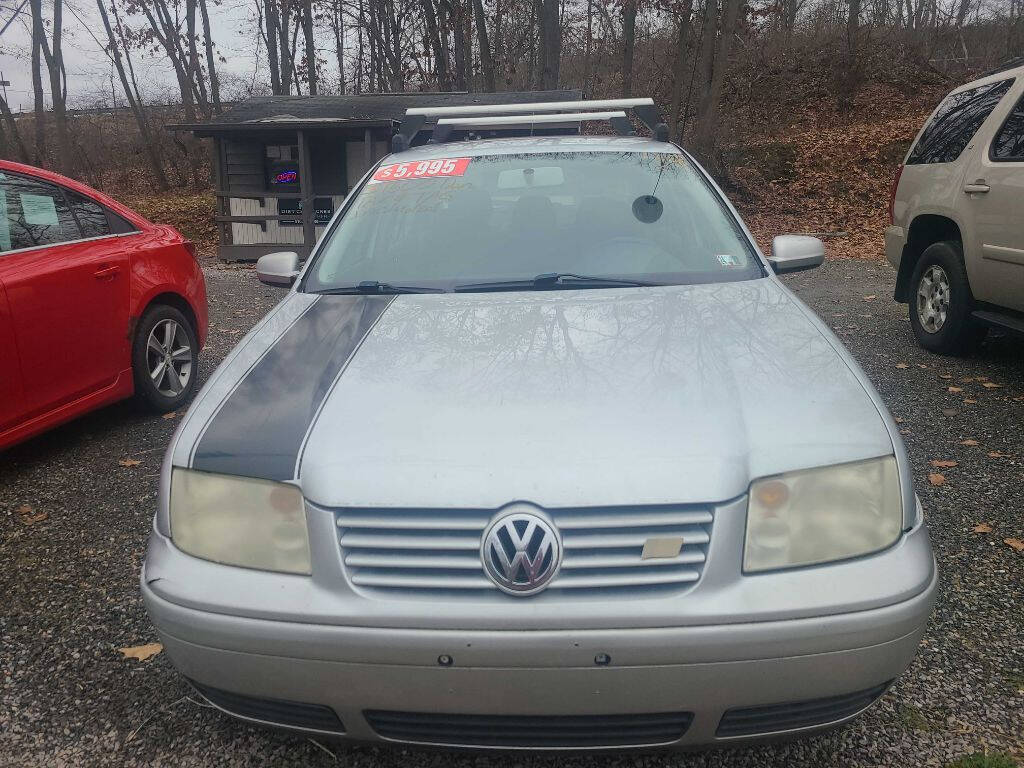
[[892, 193], [191, 248]]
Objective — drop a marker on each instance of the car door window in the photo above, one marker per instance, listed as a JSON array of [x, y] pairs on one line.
[[33, 214], [91, 216], [955, 122], [1008, 145]]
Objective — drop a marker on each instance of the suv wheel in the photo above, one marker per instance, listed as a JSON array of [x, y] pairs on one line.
[[941, 301], [165, 358]]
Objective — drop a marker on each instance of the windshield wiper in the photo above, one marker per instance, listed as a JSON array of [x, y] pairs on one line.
[[376, 287], [554, 281]]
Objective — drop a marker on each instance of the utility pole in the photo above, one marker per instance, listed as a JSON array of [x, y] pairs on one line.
[[4, 83]]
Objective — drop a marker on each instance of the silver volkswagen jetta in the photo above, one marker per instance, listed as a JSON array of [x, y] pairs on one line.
[[539, 453]]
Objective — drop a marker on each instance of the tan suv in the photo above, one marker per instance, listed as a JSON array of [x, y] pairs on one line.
[[957, 216]]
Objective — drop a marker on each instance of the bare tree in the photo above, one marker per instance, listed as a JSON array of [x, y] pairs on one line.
[[307, 34], [629, 9], [53, 55], [20, 151], [706, 133], [676, 119], [114, 51], [486, 59], [550, 44]]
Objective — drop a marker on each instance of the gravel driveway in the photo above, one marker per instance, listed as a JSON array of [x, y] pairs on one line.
[[75, 513]]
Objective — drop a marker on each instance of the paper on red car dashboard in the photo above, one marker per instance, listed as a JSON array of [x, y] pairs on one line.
[[423, 169]]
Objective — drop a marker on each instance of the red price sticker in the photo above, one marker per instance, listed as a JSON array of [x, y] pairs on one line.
[[424, 169]]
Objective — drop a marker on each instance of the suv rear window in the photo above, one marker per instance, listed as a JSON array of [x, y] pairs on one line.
[[955, 122]]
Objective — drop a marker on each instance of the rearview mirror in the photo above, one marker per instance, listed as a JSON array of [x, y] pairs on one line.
[[793, 253], [279, 268]]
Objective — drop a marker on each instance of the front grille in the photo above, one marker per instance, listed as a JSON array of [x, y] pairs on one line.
[[293, 714], [798, 714], [537, 732], [417, 550]]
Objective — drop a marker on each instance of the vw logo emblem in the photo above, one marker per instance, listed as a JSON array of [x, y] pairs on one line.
[[521, 552]]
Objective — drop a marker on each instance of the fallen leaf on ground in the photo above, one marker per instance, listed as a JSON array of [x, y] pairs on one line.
[[997, 455], [899, 419], [990, 385], [29, 516], [969, 441], [968, 401], [129, 462], [142, 652], [1016, 544], [922, 366], [945, 376], [902, 365], [169, 416], [936, 479], [956, 389], [872, 297], [982, 528], [943, 463]]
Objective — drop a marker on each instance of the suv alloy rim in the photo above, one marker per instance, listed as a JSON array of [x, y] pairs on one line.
[[933, 299], [169, 355]]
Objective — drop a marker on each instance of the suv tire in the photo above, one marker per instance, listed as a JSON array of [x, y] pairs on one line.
[[165, 359], [941, 301]]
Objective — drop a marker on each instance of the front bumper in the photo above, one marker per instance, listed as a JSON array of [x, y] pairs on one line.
[[701, 670]]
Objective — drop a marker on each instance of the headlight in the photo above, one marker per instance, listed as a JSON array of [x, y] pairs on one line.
[[818, 515], [239, 521]]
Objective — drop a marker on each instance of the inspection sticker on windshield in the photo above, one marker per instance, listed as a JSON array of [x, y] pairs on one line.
[[424, 169], [728, 260]]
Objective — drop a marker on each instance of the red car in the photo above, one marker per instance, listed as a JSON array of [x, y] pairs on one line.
[[96, 304]]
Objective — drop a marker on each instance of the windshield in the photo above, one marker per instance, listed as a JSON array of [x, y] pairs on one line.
[[450, 223]]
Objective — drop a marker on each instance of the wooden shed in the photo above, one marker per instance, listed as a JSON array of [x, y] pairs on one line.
[[283, 164]]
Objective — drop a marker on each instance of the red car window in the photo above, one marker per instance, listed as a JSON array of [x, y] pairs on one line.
[[33, 213]]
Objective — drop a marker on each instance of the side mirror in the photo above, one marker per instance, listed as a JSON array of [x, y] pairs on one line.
[[794, 253], [278, 268]]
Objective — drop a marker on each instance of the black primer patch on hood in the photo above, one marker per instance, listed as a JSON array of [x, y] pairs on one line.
[[259, 429]]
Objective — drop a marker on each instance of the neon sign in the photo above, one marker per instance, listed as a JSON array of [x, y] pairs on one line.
[[286, 177]]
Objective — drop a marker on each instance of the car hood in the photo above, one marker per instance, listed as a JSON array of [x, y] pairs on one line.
[[673, 394], [576, 398]]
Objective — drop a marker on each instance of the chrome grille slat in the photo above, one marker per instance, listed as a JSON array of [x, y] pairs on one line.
[[422, 551], [384, 540], [690, 534], [573, 560]]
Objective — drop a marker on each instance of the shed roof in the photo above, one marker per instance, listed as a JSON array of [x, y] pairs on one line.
[[355, 111]]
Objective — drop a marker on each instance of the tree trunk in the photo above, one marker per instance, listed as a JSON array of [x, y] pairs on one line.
[[676, 119], [551, 44], [628, 45], [271, 18], [439, 51], [20, 151], [851, 66], [54, 58], [285, 47], [195, 69], [459, 24], [114, 51], [338, 27], [211, 64], [707, 123], [486, 60], [307, 33], [38, 31]]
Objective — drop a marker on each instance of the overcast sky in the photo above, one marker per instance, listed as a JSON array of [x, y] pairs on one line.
[[89, 70]]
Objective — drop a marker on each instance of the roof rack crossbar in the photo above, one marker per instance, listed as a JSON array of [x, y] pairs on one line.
[[538, 106], [523, 114]]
